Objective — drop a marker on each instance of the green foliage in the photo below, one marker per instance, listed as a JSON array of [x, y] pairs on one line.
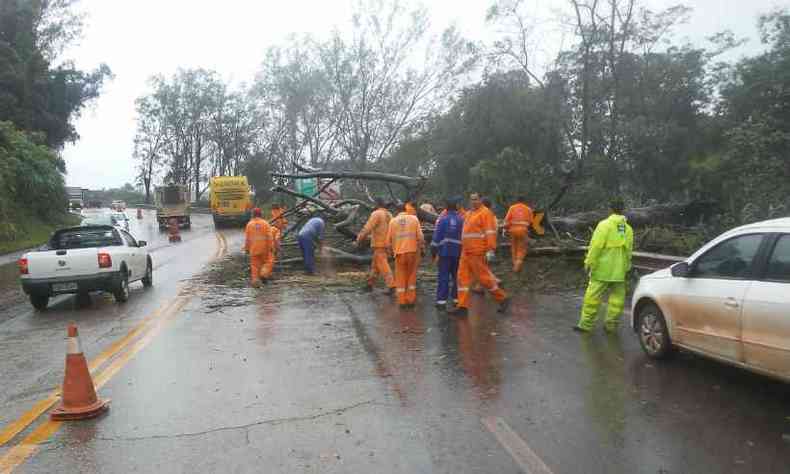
[[31, 184], [34, 95], [28, 169]]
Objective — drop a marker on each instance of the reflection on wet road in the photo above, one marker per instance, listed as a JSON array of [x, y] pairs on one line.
[[307, 379]]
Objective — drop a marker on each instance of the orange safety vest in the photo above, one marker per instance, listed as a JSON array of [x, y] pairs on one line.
[[257, 237], [404, 234], [279, 222], [377, 227], [275, 232], [519, 215], [479, 234]]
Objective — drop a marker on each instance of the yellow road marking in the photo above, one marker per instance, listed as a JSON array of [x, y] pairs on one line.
[[153, 324], [20, 453], [43, 405]]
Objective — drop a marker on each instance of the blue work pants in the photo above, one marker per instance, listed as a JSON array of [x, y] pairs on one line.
[[306, 245], [448, 272]]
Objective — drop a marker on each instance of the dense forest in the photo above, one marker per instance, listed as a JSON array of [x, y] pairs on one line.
[[41, 95], [622, 109]]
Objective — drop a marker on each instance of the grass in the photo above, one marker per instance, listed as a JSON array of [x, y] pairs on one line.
[[32, 232]]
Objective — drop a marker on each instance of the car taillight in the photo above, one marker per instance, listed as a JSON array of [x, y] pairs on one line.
[[105, 261], [23, 270]]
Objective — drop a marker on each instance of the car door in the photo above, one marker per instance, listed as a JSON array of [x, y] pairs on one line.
[[136, 257], [706, 306], [766, 314]]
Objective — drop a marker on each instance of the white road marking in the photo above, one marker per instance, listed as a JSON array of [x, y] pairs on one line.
[[522, 454]]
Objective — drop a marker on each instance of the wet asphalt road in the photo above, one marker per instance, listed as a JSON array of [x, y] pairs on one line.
[[317, 380]]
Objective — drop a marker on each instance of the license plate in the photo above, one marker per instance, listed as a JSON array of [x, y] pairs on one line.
[[61, 287]]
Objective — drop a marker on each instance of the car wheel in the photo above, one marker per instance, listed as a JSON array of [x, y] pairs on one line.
[[653, 332], [39, 302], [121, 292], [148, 279]]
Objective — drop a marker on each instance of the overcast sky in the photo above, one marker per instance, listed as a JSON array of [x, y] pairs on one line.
[[144, 37]]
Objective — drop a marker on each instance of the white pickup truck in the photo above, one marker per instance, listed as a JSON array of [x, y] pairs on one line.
[[84, 259]]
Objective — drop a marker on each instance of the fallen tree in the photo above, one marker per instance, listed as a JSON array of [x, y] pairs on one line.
[[679, 214], [347, 216]]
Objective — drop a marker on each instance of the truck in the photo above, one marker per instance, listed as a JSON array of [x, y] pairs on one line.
[[82, 260], [230, 200], [172, 201]]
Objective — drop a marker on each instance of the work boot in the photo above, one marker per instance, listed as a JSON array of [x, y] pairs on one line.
[[458, 311], [580, 329], [503, 306], [256, 283]]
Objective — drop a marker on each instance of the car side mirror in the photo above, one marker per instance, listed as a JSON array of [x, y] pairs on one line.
[[142, 243], [681, 270]]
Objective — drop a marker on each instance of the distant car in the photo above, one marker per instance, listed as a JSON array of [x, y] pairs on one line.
[[84, 259], [118, 206], [121, 219], [99, 219], [729, 301]]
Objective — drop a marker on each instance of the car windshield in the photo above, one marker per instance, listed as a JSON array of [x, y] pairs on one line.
[[83, 238], [120, 216]]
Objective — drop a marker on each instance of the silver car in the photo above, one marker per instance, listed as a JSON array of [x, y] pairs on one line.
[[729, 301]]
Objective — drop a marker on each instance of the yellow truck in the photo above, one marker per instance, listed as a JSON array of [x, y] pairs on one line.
[[230, 200]]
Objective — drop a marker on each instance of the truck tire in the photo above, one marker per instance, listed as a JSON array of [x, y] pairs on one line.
[[39, 302], [148, 279], [121, 291]]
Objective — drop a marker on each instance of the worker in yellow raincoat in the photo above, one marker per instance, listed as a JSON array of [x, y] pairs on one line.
[[608, 262]]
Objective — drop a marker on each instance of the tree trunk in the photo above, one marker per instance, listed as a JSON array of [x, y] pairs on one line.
[[685, 214]]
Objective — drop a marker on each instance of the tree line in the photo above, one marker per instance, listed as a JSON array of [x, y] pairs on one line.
[[623, 109], [40, 97]]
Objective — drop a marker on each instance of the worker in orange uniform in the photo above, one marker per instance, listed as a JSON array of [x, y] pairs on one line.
[[274, 249], [277, 216], [410, 209], [257, 244], [406, 241], [478, 239], [493, 222], [517, 222], [376, 228]]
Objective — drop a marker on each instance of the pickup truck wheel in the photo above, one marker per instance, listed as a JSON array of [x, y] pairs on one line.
[[148, 279], [39, 302], [121, 292]]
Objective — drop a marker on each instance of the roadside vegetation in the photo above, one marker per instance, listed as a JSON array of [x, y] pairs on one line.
[[41, 94]]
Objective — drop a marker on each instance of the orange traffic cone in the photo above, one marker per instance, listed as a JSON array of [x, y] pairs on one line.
[[79, 399], [139, 213], [175, 233]]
